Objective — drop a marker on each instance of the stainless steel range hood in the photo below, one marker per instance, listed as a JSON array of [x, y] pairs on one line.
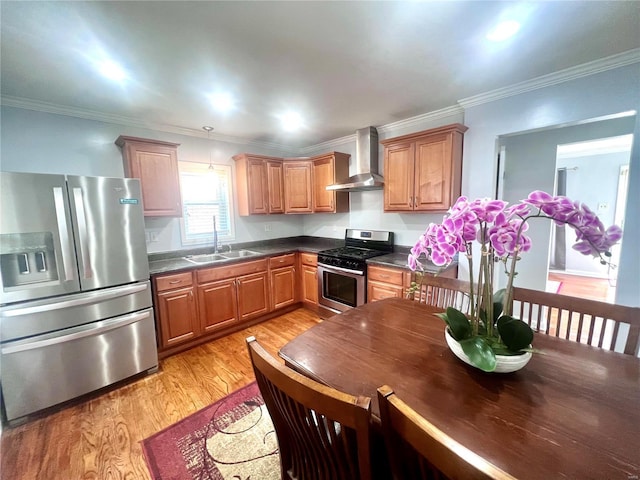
[[366, 177]]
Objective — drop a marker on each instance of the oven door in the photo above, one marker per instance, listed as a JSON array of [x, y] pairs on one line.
[[340, 289]]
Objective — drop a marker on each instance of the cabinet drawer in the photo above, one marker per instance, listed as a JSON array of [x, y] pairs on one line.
[[387, 275], [169, 282], [309, 259], [220, 273], [282, 261]]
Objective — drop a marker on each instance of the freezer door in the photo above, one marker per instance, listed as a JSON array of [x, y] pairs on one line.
[[37, 317], [109, 231], [37, 256], [43, 371]]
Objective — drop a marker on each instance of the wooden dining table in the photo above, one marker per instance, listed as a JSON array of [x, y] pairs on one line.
[[573, 412]]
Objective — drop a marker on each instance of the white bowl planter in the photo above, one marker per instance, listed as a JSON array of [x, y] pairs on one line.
[[505, 363]]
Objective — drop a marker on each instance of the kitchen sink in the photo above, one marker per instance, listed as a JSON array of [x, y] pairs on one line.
[[240, 254], [205, 258], [219, 257]]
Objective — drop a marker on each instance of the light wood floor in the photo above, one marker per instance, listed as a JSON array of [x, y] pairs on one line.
[[99, 438], [584, 287]]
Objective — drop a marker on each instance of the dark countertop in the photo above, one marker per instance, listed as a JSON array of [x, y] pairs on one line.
[[398, 259], [168, 262]]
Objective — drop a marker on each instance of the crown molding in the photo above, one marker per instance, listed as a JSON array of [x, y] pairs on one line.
[[608, 63], [389, 127], [47, 107], [421, 119], [329, 144]]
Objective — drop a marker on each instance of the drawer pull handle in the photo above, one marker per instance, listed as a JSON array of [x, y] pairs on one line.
[[173, 282]]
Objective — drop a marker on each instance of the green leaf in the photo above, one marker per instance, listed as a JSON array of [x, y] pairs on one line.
[[515, 334], [479, 353], [458, 323], [498, 304]]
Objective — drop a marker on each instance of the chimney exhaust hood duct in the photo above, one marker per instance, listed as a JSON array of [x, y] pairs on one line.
[[366, 177]]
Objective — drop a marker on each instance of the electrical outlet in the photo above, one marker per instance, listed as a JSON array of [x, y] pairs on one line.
[[267, 227]]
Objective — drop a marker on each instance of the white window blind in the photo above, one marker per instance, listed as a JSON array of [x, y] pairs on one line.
[[206, 192]]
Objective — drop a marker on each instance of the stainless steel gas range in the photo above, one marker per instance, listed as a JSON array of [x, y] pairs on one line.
[[342, 272]]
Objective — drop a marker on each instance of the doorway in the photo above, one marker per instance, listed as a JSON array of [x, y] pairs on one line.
[[596, 173], [581, 153]]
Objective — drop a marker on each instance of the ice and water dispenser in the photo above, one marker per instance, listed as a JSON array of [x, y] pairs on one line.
[[27, 258]]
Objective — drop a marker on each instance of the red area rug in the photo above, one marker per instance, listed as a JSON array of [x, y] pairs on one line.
[[230, 439]]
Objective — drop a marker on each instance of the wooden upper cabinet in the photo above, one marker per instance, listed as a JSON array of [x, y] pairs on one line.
[[326, 170], [155, 164], [423, 170], [398, 176], [252, 183], [275, 181], [297, 186]]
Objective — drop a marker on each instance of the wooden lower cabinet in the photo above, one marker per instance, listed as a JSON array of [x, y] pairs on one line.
[[386, 282], [253, 291], [179, 316], [309, 278], [176, 309], [283, 280], [193, 306], [217, 304]]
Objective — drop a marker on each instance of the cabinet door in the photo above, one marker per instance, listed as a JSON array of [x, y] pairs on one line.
[[253, 299], [323, 175], [297, 187], [283, 287], [309, 284], [156, 166], [178, 316], [275, 187], [433, 173], [378, 291], [257, 185], [398, 177], [217, 304]]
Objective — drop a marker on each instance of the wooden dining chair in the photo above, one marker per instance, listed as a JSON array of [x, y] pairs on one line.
[[442, 292], [419, 450], [323, 434], [582, 320]]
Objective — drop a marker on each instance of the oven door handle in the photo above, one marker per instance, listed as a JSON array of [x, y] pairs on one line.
[[330, 268]]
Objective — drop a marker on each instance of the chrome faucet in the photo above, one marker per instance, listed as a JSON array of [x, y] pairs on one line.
[[215, 236]]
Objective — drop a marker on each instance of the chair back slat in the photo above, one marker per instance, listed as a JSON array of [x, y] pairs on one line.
[[591, 322], [323, 434], [419, 450], [443, 292]]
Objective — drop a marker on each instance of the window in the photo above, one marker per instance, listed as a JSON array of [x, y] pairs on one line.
[[206, 193]]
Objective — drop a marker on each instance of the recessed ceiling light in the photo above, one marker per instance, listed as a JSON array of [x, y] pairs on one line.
[[223, 102], [291, 121], [503, 31], [112, 71]]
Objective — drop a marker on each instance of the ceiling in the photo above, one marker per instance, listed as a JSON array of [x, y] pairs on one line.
[[341, 65]]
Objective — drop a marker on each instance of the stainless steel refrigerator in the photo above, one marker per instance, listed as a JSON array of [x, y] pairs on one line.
[[76, 310]]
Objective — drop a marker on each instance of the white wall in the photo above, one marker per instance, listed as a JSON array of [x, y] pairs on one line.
[[598, 95], [48, 143]]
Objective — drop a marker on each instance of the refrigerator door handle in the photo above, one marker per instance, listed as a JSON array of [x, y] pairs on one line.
[[82, 232], [85, 300], [63, 232], [90, 330]]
